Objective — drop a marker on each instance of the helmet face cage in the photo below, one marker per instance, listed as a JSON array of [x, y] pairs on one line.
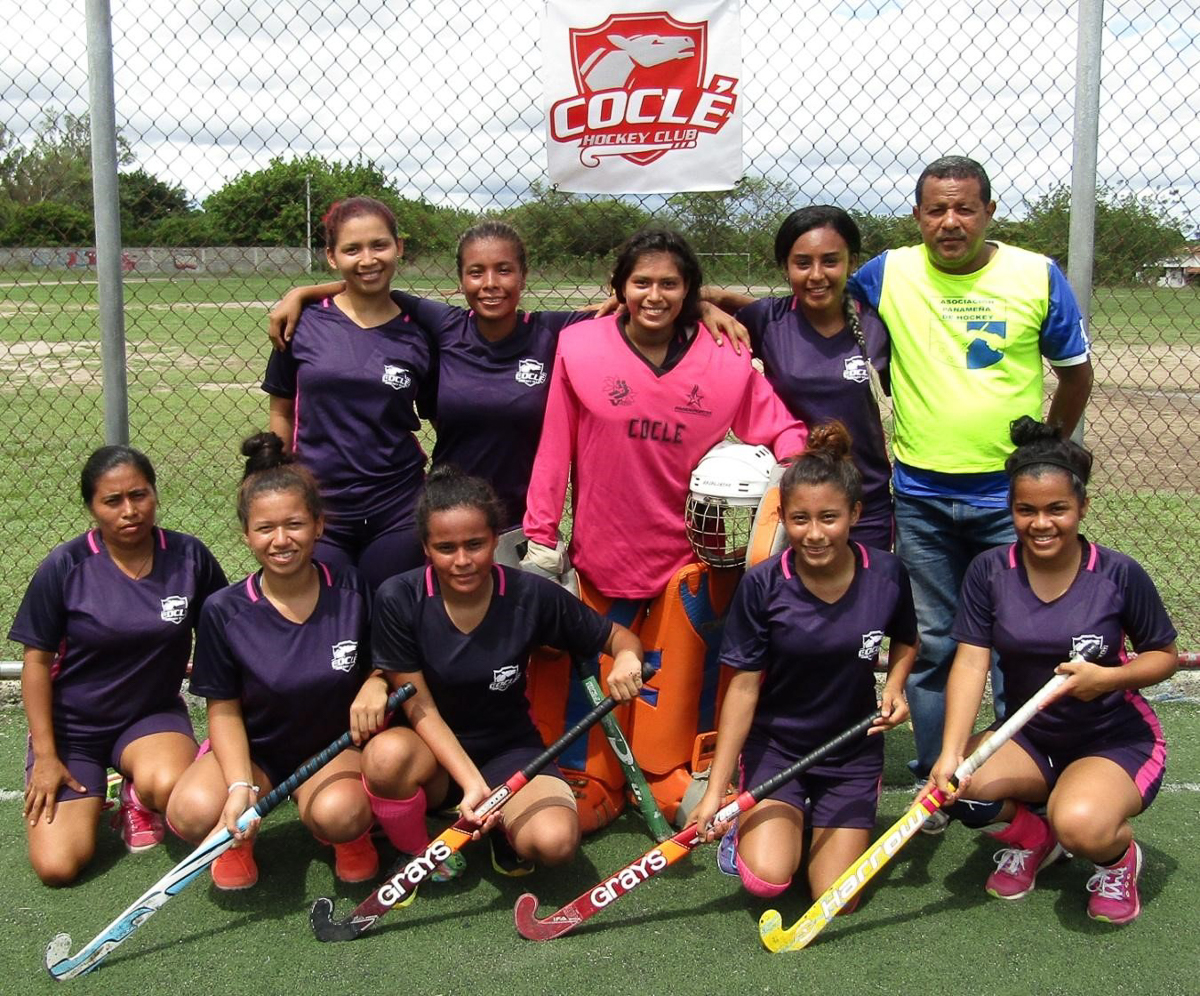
[[719, 530]]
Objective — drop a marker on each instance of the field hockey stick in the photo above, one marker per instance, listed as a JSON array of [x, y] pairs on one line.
[[661, 857], [776, 937], [409, 872], [63, 965], [638, 788]]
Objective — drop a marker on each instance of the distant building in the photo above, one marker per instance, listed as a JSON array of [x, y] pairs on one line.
[[1182, 270]]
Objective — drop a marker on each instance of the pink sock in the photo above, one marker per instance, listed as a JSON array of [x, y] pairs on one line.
[[757, 886], [1027, 830], [402, 820]]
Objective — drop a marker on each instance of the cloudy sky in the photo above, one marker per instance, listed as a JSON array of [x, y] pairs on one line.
[[845, 99]]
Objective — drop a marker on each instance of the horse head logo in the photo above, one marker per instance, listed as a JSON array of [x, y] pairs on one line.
[[611, 67]]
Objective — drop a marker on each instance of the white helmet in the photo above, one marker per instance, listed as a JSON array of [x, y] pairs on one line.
[[725, 490]]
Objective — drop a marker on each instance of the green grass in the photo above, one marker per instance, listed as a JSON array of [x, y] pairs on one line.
[[196, 352], [926, 924]]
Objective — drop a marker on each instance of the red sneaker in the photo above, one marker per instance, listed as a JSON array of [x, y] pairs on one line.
[[356, 860], [1034, 847], [140, 828], [235, 869], [1114, 889]]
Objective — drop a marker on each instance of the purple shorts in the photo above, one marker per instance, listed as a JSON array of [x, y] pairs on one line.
[[1138, 748], [90, 760], [500, 766], [841, 795]]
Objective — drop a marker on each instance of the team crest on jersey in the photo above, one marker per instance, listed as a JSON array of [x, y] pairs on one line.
[[639, 89], [694, 403], [618, 391], [1089, 646], [855, 368], [871, 644], [174, 609], [503, 677], [531, 372], [345, 655], [397, 378]]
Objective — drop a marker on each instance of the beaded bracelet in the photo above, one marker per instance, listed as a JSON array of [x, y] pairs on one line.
[[235, 785]]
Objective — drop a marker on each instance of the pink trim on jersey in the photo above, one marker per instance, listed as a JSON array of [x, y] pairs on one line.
[[325, 302], [91, 538], [1093, 556], [1152, 770], [296, 418], [429, 580], [325, 571], [783, 562], [500, 578], [795, 303], [628, 436], [162, 538], [1012, 557], [865, 557], [250, 590]]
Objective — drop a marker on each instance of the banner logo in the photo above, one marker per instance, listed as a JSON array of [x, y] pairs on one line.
[[641, 90]]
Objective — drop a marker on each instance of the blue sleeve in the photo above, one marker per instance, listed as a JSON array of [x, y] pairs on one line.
[[216, 669], [746, 639], [974, 620], [1063, 335], [393, 641], [756, 316], [41, 620], [566, 622], [1143, 616], [280, 379], [866, 283], [902, 627]]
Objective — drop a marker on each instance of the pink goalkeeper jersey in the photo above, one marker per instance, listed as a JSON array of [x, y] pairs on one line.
[[628, 435]]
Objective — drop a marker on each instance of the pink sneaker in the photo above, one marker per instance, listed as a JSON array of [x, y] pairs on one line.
[[141, 828], [1114, 889], [1035, 846]]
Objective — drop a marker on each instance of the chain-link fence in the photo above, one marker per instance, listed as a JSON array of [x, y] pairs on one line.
[[239, 121]]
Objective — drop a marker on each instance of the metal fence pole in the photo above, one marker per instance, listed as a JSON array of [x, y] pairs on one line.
[[107, 214], [1081, 237]]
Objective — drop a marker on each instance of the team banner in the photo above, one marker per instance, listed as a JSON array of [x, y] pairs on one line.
[[642, 97]]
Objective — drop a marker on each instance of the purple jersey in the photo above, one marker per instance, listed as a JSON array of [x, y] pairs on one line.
[[821, 378], [491, 396], [354, 392], [818, 659], [1111, 597], [295, 681], [121, 646], [477, 679]]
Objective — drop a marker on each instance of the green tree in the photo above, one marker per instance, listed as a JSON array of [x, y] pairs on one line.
[[57, 165], [47, 223], [146, 200], [558, 226], [743, 219]]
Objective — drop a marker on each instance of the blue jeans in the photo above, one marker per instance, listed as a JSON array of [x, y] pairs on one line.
[[937, 538]]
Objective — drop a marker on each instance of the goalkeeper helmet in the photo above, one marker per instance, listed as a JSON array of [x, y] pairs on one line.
[[726, 488]]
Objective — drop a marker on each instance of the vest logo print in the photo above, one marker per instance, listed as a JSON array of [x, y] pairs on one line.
[[640, 89], [503, 677], [1089, 646], [397, 378], [619, 393], [531, 372], [855, 368], [871, 644], [174, 609], [694, 403], [345, 655]]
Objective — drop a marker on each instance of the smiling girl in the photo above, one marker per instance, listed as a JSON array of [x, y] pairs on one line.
[[461, 630], [343, 397], [818, 347], [281, 658], [1095, 756], [107, 625], [804, 633]]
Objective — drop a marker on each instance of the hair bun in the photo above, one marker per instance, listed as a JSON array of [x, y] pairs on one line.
[[264, 451], [1026, 430], [830, 440]]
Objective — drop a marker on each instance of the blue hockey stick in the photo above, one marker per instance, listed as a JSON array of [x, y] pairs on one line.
[[61, 964]]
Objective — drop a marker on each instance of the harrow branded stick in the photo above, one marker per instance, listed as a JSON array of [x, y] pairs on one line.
[[664, 855], [776, 937], [408, 873], [620, 746], [61, 964]]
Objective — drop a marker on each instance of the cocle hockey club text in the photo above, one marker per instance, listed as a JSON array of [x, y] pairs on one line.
[[629, 877], [662, 107]]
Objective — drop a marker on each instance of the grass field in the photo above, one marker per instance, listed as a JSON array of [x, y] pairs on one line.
[[926, 924]]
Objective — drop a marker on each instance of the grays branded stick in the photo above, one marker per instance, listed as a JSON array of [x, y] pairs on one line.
[[63, 965], [665, 854], [409, 872], [776, 937], [638, 788]]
